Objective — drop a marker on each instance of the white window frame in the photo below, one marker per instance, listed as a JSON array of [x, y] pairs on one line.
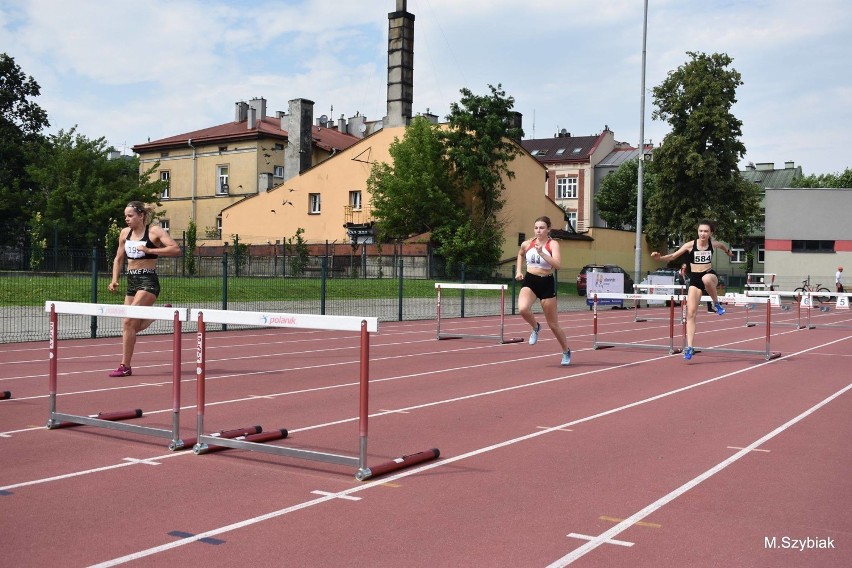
[[761, 254], [739, 255], [572, 218], [166, 176], [222, 180], [355, 200], [566, 187], [314, 204], [278, 171], [219, 226], [165, 224]]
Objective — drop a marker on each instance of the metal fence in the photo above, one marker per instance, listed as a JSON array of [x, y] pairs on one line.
[[393, 287]]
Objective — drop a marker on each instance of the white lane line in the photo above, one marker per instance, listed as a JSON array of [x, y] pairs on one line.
[[753, 449], [443, 463], [329, 494], [666, 499], [588, 537]]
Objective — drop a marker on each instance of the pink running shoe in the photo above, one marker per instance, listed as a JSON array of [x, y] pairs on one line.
[[122, 371]]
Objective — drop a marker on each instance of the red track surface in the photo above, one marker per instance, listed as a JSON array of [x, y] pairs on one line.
[[627, 458]]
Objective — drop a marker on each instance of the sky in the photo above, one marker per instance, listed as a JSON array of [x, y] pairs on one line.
[[130, 71]]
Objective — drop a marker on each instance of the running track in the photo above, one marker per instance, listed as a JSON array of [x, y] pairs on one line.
[[627, 458]]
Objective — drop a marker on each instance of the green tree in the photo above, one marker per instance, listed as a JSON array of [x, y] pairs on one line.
[[616, 199], [480, 143], [189, 250], [696, 165], [83, 190], [21, 123], [836, 180], [415, 193]]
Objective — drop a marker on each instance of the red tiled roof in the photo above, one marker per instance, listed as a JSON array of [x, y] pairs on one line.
[[268, 127]]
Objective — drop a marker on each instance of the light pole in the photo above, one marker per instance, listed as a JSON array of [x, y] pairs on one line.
[[638, 258]]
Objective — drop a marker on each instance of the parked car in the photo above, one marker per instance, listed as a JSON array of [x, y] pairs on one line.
[[581, 277]]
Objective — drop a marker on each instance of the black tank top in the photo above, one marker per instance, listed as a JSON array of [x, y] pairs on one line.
[[701, 256]]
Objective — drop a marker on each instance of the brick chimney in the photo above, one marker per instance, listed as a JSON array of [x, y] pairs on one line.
[[400, 65], [299, 152]]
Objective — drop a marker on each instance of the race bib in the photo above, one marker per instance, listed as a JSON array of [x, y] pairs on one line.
[[131, 249], [703, 256]]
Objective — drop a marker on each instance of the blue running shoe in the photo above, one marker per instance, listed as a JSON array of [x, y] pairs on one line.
[[534, 335], [720, 310], [687, 353], [566, 358]]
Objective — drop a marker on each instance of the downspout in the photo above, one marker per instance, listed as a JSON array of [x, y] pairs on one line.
[[189, 141]]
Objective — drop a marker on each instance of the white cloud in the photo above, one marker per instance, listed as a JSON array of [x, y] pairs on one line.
[[129, 70]]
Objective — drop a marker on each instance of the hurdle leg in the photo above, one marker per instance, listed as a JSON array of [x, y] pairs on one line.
[[201, 366], [176, 349], [53, 348], [363, 400]]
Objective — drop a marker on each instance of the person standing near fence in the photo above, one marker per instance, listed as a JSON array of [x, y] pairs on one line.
[[702, 277], [542, 257], [141, 244], [838, 277]]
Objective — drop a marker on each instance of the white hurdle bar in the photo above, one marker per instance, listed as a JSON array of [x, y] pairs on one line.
[[614, 295], [767, 353], [439, 286], [676, 289], [363, 325], [110, 419]]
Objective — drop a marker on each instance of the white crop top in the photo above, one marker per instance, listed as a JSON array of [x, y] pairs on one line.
[[534, 259]]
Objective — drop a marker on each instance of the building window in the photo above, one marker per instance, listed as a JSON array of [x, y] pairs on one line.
[[279, 147], [165, 224], [314, 203], [761, 254], [164, 154], [279, 171], [560, 151], [222, 186], [738, 255], [813, 246], [223, 149], [566, 188], [571, 217], [219, 227], [355, 200], [165, 177]]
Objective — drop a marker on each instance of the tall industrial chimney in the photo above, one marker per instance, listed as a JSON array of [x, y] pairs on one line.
[[400, 65]]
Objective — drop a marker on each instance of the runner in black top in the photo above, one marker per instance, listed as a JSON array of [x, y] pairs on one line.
[[702, 278]]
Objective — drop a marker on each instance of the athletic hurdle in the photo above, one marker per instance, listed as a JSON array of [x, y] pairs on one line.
[[767, 353], [111, 419], [439, 286], [363, 325], [676, 289], [615, 295], [774, 300], [842, 303]]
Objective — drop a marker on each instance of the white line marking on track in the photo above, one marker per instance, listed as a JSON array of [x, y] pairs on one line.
[[451, 460], [554, 429], [611, 541], [142, 461], [752, 449], [337, 495]]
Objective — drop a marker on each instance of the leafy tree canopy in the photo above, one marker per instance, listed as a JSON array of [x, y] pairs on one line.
[[81, 191], [617, 197], [695, 168], [21, 123], [449, 180], [836, 180]]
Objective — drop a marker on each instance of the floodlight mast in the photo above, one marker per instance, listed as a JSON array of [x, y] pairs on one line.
[[638, 249]]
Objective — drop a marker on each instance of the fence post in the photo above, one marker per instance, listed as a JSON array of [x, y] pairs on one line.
[[323, 274], [462, 290], [94, 321], [224, 285], [400, 289]]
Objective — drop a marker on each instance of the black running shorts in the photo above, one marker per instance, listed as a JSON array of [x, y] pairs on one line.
[[543, 287], [143, 279]]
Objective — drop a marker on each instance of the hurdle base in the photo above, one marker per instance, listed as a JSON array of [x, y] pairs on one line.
[[188, 443], [258, 438], [397, 464], [5, 395], [115, 416]]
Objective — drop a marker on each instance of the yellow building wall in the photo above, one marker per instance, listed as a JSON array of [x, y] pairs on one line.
[[276, 215]]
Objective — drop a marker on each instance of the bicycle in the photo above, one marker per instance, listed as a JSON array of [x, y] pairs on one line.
[[818, 288]]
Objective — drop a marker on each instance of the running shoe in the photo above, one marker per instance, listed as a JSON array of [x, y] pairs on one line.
[[534, 335], [566, 358], [688, 352], [122, 371], [720, 310]]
